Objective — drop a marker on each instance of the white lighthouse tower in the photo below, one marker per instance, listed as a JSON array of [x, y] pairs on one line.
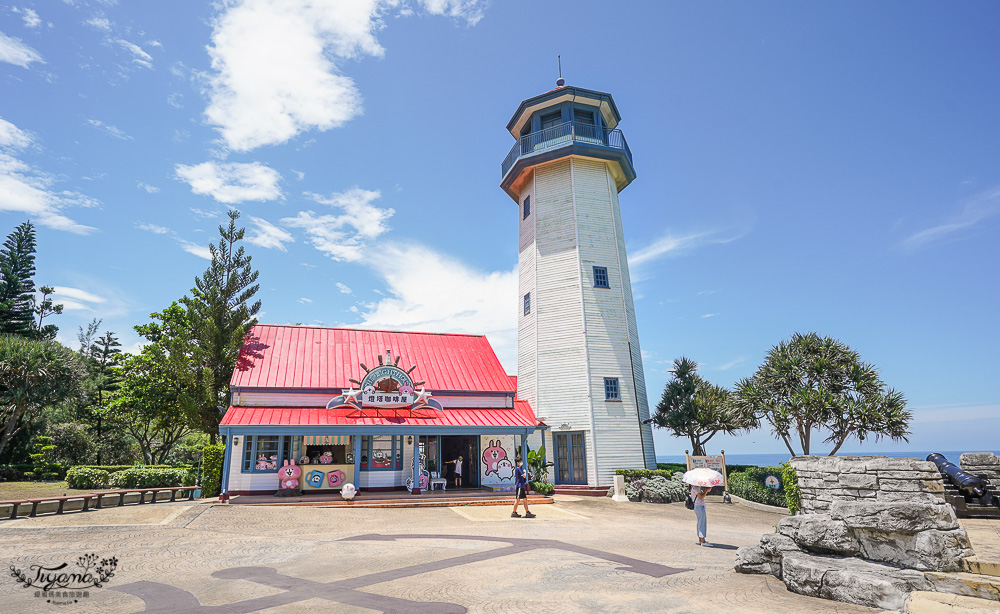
[[578, 362]]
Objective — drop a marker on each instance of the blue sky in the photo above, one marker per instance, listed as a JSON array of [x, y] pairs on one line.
[[801, 167]]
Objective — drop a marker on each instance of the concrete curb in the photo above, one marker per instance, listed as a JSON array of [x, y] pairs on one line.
[[760, 506]]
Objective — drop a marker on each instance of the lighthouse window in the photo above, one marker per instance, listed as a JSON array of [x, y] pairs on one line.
[[527, 303], [611, 391], [601, 277], [551, 120], [527, 206], [584, 117]]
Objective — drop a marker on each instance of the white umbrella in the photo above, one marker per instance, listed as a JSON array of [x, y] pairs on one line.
[[703, 476]]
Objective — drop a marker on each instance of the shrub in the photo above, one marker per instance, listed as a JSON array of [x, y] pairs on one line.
[[634, 474], [749, 485], [14, 473], [672, 466], [790, 484], [116, 468], [86, 477], [656, 488], [141, 477], [43, 459], [72, 441], [211, 469], [542, 488]]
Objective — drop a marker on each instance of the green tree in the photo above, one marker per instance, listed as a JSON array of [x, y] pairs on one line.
[[692, 407], [818, 384], [17, 286], [221, 314], [159, 390], [33, 375], [44, 307]]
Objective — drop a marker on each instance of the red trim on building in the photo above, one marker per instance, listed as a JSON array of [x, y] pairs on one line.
[[520, 416]]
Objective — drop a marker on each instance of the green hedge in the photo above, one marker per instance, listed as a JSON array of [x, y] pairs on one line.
[[116, 468], [542, 488], [87, 478], [790, 484], [631, 474], [749, 485], [211, 469], [14, 473], [141, 477]]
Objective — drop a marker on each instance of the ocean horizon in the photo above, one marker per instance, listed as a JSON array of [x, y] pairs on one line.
[[772, 460]]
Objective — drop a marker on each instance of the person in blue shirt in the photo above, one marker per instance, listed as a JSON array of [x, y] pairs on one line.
[[521, 484]]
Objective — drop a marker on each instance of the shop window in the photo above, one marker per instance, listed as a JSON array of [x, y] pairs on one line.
[[611, 391], [601, 277], [527, 303], [325, 450], [527, 207], [264, 453], [382, 453]]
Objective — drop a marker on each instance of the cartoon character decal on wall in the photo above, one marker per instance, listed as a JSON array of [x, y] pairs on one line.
[[493, 456], [263, 464], [288, 479], [335, 478], [315, 478], [326, 458]]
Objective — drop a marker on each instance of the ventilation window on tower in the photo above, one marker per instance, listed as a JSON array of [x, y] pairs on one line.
[[611, 391], [527, 206], [601, 277], [527, 303]]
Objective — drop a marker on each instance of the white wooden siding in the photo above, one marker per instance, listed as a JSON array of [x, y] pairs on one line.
[[526, 340]]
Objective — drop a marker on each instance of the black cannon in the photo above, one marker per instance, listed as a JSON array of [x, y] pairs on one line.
[[968, 484]]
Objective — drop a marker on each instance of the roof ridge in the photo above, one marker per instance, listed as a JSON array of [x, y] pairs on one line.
[[369, 330]]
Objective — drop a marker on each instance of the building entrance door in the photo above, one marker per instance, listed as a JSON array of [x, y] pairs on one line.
[[571, 460], [468, 447]]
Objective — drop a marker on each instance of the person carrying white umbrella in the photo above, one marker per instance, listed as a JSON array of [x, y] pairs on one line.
[[702, 480]]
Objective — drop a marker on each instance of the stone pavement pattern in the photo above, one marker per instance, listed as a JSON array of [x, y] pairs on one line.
[[579, 555]]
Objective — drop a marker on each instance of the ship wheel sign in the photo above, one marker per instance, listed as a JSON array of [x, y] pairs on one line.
[[387, 391]]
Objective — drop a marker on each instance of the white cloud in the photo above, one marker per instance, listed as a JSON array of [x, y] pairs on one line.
[[299, 174], [139, 56], [446, 296], [232, 182], [208, 215], [470, 10], [152, 189], [268, 235], [12, 136], [160, 230], [13, 51], [75, 293], [670, 244], [193, 248], [175, 99], [262, 93], [708, 315], [304, 300], [100, 23], [30, 17], [343, 236], [980, 208], [343, 288], [27, 190], [112, 130], [732, 363]]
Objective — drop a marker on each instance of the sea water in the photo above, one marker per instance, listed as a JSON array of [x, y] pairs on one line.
[[773, 460]]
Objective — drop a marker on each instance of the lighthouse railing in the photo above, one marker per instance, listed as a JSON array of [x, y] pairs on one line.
[[562, 134]]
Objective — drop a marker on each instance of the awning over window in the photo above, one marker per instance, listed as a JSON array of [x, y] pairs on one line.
[[326, 440]]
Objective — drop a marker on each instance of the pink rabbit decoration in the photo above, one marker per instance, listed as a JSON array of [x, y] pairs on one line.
[[493, 455], [289, 474]]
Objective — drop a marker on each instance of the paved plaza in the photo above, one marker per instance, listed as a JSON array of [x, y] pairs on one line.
[[579, 555]]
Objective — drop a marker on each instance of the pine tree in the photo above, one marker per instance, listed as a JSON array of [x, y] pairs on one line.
[[221, 315], [17, 286], [44, 307]]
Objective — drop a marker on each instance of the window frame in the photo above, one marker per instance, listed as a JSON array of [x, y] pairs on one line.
[[527, 303], [604, 272], [612, 389], [368, 444], [526, 207], [250, 453]]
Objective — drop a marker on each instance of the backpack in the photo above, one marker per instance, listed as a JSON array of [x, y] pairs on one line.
[[689, 502]]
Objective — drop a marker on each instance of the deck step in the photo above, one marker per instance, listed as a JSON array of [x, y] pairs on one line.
[[414, 502], [923, 602], [581, 490]]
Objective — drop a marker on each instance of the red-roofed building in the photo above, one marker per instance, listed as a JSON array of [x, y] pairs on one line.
[[372, 408]]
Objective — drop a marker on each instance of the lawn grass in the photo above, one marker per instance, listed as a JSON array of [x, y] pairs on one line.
[[32, 490]]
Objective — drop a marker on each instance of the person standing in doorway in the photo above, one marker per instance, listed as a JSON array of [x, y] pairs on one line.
[[521, 486], [698, 495], [458, 470]]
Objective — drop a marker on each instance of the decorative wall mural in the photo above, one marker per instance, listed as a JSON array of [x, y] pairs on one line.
[[335, 478], [495, 461], [315, 478]]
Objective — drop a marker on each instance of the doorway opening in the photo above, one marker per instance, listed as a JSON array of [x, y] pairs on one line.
[[466, 446]]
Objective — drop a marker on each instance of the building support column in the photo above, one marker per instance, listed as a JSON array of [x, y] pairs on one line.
[[524, 453], [416, 465], [226, 459], [357, 461]]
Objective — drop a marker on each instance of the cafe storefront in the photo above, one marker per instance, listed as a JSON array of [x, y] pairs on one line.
[[382, 410]]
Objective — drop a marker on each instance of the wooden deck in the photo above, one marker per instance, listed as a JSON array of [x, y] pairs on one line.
[[437, 498]]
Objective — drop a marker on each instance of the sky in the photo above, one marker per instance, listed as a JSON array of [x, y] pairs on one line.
[[827, 167]]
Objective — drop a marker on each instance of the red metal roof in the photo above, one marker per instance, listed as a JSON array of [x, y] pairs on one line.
[[519, 417], [278, 356]]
